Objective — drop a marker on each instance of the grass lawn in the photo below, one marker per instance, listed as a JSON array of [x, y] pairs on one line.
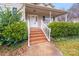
[[69, 46]]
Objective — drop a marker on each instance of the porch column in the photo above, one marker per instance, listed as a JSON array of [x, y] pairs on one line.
[[50, 17], [66, 17]]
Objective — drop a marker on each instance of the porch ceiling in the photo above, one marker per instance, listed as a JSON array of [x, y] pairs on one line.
[[43, 11]]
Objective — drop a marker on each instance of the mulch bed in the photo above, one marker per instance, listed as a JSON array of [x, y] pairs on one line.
[[14, 52]]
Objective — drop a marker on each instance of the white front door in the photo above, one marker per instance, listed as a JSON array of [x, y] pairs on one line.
[[33, 21]]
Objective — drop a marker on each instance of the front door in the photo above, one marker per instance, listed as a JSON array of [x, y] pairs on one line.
[[33, 21]]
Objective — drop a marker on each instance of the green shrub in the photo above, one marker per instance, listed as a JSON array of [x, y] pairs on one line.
[[1, 36], [15, 32], [12, 29], [64, 29], [7, 17]]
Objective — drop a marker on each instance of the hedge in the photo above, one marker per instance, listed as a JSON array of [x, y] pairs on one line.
[[64, 29], [14, 33]]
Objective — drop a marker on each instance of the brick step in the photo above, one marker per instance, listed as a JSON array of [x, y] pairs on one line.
[[37, 35], [36, 30], [38, 41], [37, 38], [34, 33]]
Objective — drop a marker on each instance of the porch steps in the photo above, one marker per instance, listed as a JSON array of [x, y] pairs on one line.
[[34, 33], [37, 36]]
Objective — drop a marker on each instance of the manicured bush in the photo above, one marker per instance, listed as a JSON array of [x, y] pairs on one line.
[[15, 32], [12, 29], [64, 29]]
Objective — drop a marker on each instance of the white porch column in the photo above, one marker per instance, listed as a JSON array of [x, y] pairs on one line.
[[66, 17], [50, 17]]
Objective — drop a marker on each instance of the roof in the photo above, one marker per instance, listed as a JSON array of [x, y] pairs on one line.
[[50, 5], [41, 10]]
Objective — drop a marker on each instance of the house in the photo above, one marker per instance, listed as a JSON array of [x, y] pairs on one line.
[[73, 16], [37, 15], [75, 19]]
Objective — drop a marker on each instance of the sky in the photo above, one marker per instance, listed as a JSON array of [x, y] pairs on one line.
[[65, 6]]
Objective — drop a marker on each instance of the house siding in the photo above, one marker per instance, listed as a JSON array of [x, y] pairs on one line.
[[19, 6]]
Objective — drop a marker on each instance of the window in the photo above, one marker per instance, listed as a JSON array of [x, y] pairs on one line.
[[43, 18], [14, 10]]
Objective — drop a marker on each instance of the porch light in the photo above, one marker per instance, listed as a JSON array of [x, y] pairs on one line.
[[34, 10]]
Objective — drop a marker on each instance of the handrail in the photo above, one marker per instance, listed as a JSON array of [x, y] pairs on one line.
[[46, 30], [28, 34]]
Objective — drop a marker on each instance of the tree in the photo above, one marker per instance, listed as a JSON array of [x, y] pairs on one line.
[[7, 17]]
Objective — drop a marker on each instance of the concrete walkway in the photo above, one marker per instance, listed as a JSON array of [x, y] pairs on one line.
[[43, 49], [40, 46]]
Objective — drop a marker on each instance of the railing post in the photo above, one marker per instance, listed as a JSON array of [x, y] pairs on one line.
[[41, 24], [50, 17], [28, 34], [49, 34]]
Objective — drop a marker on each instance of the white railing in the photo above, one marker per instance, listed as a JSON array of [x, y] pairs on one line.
[[28, 33], [46, 30]]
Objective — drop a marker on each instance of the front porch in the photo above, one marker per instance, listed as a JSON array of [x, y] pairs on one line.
[[36, 17], [44, 12]]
